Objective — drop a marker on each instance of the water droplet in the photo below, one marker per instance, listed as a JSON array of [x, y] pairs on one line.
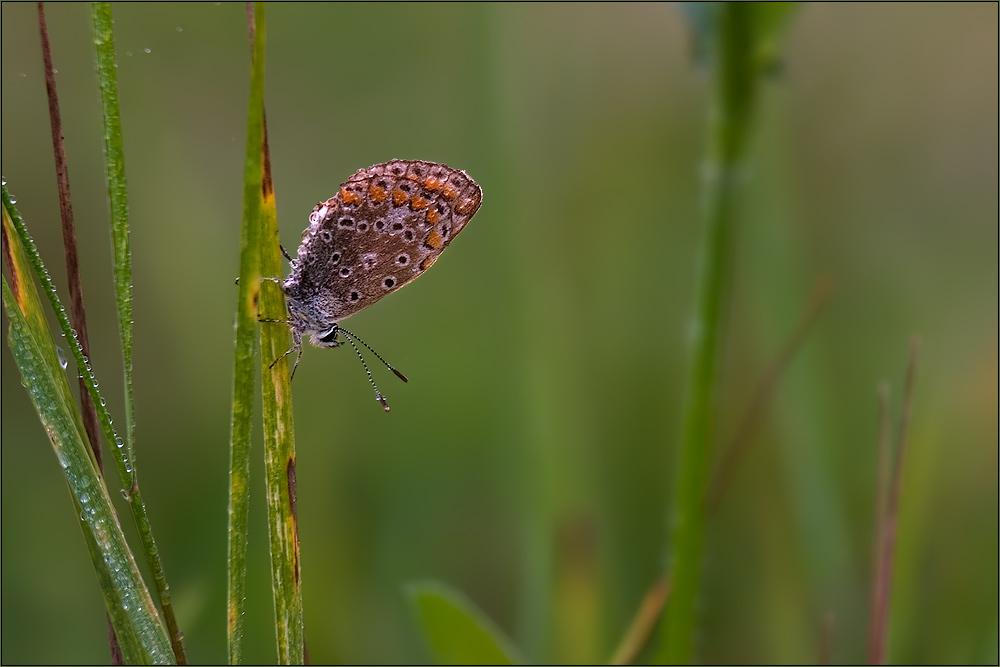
[[62, 357], [102, 402], [147, 50], [13, 200], [180, 29], [55, 71], [23, 75], [4, 180], [124, 494]]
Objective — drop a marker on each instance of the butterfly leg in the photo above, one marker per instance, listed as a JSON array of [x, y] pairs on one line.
[[293, 348]]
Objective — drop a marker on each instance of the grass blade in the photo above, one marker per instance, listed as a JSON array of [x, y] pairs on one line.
[[887, 523], [733, 35], [456, 631], [141, 634], [78, 312], [114, 156], [260, 256], [279, 432], [243, 372], [643, 624]]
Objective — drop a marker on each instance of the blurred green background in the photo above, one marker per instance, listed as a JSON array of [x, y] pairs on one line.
[[529, 460]]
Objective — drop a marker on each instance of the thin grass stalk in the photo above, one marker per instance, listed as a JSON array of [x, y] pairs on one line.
[[643, 624], [826, 639], [733, 90], [879, 637], [78, 313], [883, 463], [775, 370], [114, 156]]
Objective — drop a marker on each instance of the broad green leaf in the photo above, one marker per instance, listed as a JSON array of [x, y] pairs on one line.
[[456, 631]]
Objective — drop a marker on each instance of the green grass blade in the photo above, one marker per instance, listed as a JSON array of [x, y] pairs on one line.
[[733, 35], [279, 433], [456, 631], [114, 164], [243, 372], [259, 255], [141, 634], [114, 156]]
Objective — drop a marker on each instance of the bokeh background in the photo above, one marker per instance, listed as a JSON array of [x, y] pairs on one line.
[[529, 461]]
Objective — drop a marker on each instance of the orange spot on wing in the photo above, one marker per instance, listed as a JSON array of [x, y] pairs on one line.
[[399, 197], [432, 217], [349, 197], [432, 183], [449, 192], [418, 202], [434, 240], [428, 262], [377, 194], [465, 206]]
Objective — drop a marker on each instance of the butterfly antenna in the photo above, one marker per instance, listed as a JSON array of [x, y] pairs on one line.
[[387, 364], [378, 395]]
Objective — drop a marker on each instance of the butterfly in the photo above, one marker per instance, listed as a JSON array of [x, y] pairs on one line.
[[385, 227]]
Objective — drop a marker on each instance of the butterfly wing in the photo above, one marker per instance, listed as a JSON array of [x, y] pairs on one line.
[[385, 226]]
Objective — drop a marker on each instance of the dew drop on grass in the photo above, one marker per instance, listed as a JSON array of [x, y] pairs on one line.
[[147, 50], [62, 357]]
